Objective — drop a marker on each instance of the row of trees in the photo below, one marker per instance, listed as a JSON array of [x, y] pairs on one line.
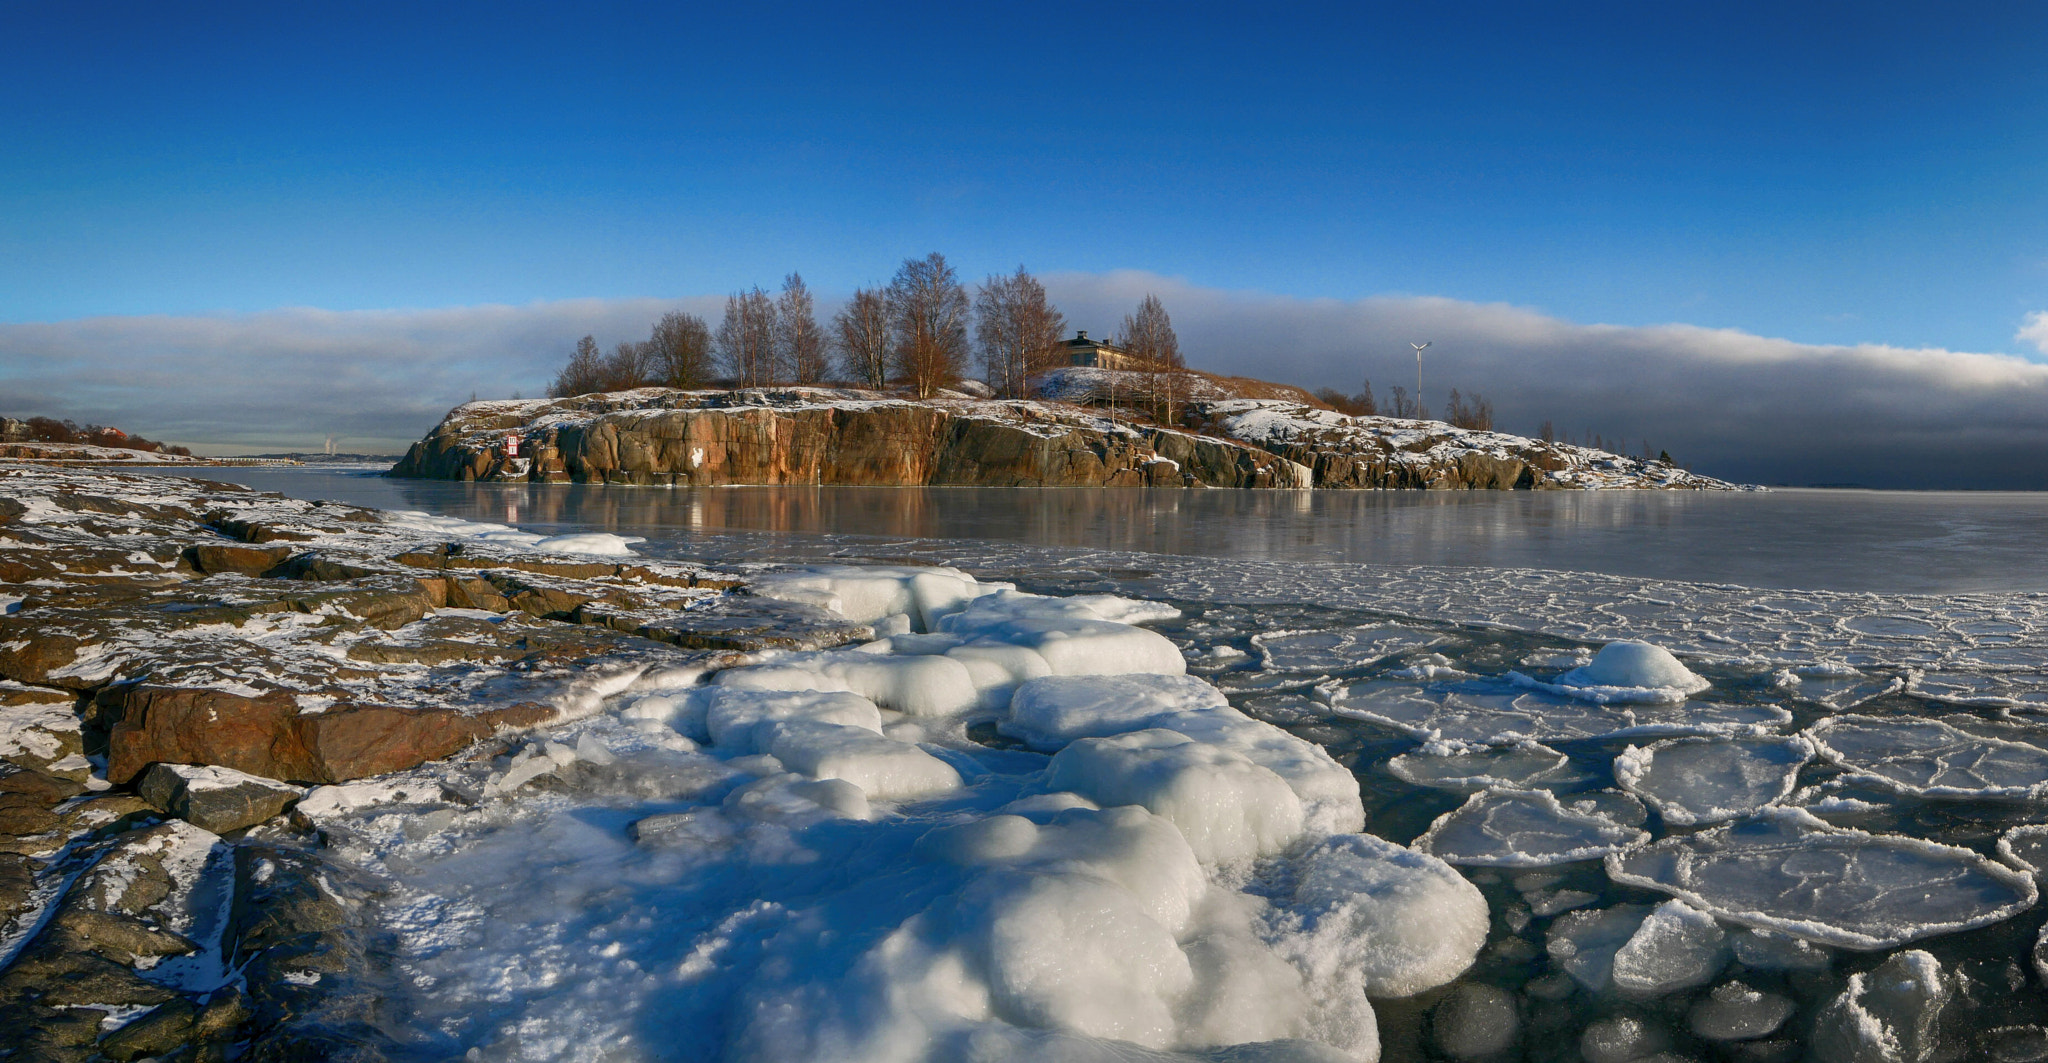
[[913, 332], [51, 430]]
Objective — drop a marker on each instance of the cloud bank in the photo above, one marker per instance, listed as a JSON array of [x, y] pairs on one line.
[[1725, 402]]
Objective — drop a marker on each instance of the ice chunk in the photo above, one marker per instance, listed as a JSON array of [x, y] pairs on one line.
[[1048, 713], [1677, 947], [1083, 635], [917, 685], [679, 710], [1931, 758], [997, 668], [1228, 807], [883, 768], [1635, 664], [1523, 828], [734, 716], [603, 544], [1330, 801], [1337, 650], [1583, 943], [1141, 852], [1404, 920], [1622, 1039], [797, 801], [2026, 847], [1886, 1015], [1735, 1012], [1475, 1021], [1786, 870], [864, 594], [1078, 953], [1523, 766], [1768, 951], [1706, 780]]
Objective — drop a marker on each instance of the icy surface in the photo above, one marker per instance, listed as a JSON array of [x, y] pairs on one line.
[[1149, 898], [1706, 780], [1788, 871], [2026, 847], [1524, 828], [1933, 758]]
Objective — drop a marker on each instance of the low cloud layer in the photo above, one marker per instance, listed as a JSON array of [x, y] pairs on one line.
[[1724, 402]]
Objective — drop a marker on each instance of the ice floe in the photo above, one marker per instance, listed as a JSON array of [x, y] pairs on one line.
[[603, 544], [1524, 828], [1786, 870], [1491, 712], [1339, 650], [1522, 766], [1707, 780], [1932, 758]]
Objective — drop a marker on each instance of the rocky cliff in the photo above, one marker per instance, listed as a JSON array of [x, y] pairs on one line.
[[657, 436], [818, 436]]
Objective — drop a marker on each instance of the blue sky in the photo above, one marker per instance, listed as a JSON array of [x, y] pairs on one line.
[[1831, 173]]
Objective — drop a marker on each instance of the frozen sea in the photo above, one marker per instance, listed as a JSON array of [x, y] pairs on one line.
[[1816, 839]]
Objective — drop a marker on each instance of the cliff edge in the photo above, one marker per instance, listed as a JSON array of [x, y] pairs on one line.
[[664, 437]]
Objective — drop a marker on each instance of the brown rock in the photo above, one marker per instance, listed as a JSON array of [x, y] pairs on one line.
[[216, 558], [266, 735]]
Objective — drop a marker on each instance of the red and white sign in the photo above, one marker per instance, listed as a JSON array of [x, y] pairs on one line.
[[511, 446]]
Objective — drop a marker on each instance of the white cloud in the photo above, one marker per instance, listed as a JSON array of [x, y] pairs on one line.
[[1725, 402], [2034, 330]]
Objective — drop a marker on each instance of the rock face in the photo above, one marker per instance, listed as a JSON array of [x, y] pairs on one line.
[[656, 436], [817, 436]]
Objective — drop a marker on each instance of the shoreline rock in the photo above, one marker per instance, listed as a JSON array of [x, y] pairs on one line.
[[826, 436], [176, 655]]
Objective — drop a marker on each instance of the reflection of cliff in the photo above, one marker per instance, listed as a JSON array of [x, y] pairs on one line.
[[657, 437]]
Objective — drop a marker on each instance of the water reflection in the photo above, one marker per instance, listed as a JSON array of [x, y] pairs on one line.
[[1885, 542]]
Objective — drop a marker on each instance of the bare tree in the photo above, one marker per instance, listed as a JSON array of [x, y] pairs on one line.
[[799, 342], [746, 338], [1402, 407], [1474, 412], [583, 374], [861, 332], [679, 352], [1148, 337], [930, 310], [625, 368], [1019, 331], [1359, 405]]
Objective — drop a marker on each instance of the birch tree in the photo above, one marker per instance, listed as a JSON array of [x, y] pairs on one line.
[[861, 331], [799, 342], [930, 324], [746, 339], [1019, 331]]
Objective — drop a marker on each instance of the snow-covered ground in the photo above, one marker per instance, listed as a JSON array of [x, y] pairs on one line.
[[1116, 815]]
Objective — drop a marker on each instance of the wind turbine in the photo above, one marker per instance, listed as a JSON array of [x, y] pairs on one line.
[[1418, 373]]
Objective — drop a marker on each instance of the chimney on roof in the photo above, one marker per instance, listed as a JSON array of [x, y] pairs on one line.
[[1081, 335]]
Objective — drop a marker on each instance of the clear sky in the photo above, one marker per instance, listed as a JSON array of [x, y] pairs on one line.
[[1831, 173]]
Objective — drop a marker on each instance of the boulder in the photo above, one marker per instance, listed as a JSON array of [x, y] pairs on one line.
[[214, 798], [215, 558], [267, 735]]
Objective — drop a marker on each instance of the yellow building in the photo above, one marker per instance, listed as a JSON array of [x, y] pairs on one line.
[[1083, 351]]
